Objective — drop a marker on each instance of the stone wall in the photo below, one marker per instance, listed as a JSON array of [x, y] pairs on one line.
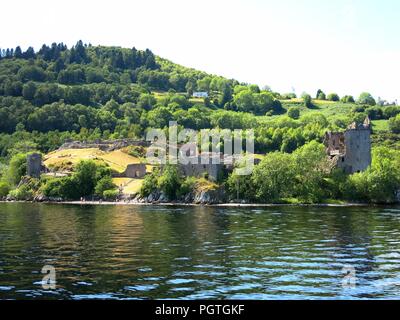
[[104, 145], [198, 168], [358, 151], [34, 165], [137, 170]]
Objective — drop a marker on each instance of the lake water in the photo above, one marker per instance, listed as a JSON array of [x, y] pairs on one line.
[[149, 252]]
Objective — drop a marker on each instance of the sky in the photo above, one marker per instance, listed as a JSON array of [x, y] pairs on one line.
[[342, 46]]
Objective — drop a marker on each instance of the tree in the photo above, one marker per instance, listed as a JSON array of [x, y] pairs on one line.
[[273, 177], [146, 101], [103, 185], [17, 168], [170, 181], [29, 53], [333, 97], [33, 73], [347, 99], [29, 90], [149, 184], [18, 53], [159, 117], [85, 177], [307, 100], [320, 95], [311, 168], [366, 98]]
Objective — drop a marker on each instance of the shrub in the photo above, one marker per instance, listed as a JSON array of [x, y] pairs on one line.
[[17, 168], [104, 184], [53, 188], [390, 112], [294, 113], [4, 188], [110, 195], [22, 193], [170, 181], [136, 151], [375, 113], [149, 184], [394, 124], [307, 100], [347, 99], [188, 185]]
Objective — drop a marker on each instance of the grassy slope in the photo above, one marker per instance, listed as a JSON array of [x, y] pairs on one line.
[[66, 159]]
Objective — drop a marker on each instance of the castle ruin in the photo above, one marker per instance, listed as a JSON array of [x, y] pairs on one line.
[[350, 150], [34, 165]]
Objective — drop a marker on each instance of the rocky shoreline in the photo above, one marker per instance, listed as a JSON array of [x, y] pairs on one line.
[[180, 203]]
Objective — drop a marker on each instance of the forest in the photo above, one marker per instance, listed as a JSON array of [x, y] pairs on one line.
[[90, 92]]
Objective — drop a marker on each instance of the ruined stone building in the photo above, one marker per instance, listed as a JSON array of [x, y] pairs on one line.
[[133, 170], [350, 150], [34, 165], [202, 166]]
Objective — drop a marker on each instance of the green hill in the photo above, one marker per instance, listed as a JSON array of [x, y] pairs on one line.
[[88, 92]]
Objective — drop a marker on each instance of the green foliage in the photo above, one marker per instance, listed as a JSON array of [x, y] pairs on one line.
[[273, 177], [22, 193], [88, 179], [333, 97], [312, 167], [320, 95], [394, 124], [170, 181], [381, 182], [366, 98], [4, 188], [241, 187], [104, 184], [110, 195], [374, 113], [307, 100], [280, 176], [149, 184], [254, 101], [294, 113], [347, 99], [187, 186], [16, 169], [84, 177], [54, 188]]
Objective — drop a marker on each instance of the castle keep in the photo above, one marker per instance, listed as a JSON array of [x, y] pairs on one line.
[[350, 150]]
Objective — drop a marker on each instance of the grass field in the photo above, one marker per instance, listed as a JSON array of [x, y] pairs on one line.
[[380, 125], [65, 160]]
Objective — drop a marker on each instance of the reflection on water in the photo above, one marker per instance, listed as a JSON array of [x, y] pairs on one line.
[[198, 252]]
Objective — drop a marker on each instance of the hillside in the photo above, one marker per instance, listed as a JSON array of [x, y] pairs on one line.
[[87, 92]]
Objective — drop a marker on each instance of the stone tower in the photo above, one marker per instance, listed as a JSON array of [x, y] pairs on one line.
[[34, 165], [350, 150]]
